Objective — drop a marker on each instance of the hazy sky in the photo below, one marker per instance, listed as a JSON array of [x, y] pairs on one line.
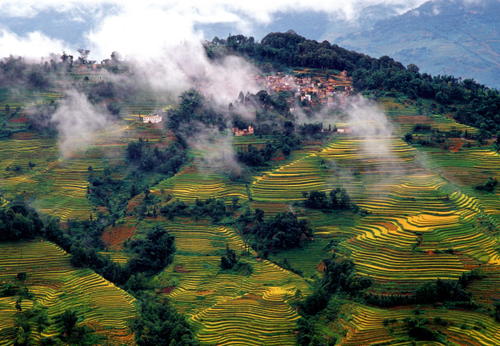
[[146, 27]]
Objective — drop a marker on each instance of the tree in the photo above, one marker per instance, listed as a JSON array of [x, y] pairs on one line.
[[488, 186], [339, 199], [73, 334], [153, 253], [408, 137], [159, 323], [413, 68], [229, 260], [19, 221], [317, 200], [68, 319], [284, 231]]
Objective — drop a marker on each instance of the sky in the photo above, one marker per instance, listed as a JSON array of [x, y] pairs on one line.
[[146, 28]]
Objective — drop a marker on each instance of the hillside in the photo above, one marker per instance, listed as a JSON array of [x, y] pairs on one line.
[[349, 200], [447, 37]]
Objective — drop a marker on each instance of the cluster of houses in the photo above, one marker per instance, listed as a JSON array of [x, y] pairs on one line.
[[243, 132], [311, 89]]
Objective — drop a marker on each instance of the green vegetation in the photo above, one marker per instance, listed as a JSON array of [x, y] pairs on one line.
[[298, 233], [160, 322], [488, 186], [338, 199], [475, 104], [153, 253], [283, 231]]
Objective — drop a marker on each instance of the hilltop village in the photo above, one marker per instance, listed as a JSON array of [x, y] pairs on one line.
[[310, 89], [307, 89]]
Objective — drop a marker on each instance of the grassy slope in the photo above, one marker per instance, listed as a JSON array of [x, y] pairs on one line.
[[418, 212], [58, 286]]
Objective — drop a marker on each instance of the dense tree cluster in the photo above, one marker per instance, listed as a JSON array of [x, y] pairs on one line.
[[147, 165], [283, 231], [441, 291], [193, 111], [150, 254], [19, 221], [339, 279], [16, 72], [418, 330], [29, 324], [110, 192], [488, 186], [425, 135], [153, 253], [337, 199], [160, 323], [475, 104], [214, 208], [315, 130], [452, 293], [151, 158], [229, 259], [260, 157]]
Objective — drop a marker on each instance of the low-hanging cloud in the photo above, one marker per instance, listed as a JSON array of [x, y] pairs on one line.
[[217, 151], [368, 120], [186, 66], [78, 123]]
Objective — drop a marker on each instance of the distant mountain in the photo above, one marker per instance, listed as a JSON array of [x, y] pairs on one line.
[[367, 18], [315, 25], [456, 37], [307, 23]]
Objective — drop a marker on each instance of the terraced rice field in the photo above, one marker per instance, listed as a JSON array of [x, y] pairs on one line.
[[58, 286], [59, 185], [365, 326], [436, 121], [287, 182], [468, 168], [420, 228], [406, 115], [229, 308], [191, 184]]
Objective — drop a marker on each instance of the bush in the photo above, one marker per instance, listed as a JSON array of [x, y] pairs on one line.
[[488, 186], [338, 199], [284, 231], [153, 253], [19, 222], [229, 260], [159, 323]]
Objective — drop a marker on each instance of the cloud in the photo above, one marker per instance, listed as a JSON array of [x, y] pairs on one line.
[[220, 10], [78, 123], [216, 151], [150, 25], [33, 45], [368, 121]]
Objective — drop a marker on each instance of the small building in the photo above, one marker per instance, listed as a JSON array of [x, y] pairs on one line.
[[344, 130], [152, 119], [244, 132]]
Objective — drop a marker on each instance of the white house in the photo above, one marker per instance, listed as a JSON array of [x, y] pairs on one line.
[[152, 118]]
